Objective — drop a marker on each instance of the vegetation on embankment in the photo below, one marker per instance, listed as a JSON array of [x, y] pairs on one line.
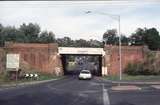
[[5, 79]]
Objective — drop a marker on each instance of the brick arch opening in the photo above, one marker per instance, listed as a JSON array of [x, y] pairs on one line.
[[94, 67]]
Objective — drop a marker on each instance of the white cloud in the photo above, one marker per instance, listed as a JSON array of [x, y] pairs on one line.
[[68, 18]]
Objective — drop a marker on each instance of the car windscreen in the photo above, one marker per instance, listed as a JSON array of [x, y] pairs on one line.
[[85, 72]]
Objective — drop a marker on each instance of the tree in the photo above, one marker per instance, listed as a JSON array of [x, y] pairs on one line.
[[95, 43], [11, 34], [149, 37], [152, 39], [82, 43], [1, 36], [1, 27], [65, 42], [27, 33], [124, 40], [110, 37], [68, 42], [51, 37], [137, 38], [31, 31], [46, 37]]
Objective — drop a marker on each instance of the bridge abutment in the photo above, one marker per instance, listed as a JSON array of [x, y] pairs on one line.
[[47, 58]]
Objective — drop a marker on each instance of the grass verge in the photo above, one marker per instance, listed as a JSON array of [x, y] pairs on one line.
[[134, 78], [4, 80]]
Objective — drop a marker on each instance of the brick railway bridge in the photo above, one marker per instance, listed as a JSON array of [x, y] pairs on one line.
[[49, 58]]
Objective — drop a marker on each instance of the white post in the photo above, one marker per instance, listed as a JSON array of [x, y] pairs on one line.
[[120, 57], [120, 53]]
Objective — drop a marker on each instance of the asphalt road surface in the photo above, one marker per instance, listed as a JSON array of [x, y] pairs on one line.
[[71, 91]]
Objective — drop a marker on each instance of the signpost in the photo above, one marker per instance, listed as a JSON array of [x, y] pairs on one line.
[[12, 63]]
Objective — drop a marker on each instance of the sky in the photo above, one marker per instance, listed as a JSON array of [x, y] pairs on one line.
[[69, 18]]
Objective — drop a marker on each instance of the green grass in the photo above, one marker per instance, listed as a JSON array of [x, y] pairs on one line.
[[134, 78], [48, 77], [5, 80]]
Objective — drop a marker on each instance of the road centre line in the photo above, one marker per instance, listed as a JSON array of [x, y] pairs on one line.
[[105, 96]]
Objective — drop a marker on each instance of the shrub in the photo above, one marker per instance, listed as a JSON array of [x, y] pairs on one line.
[[134, 68], [141, 69], [150, 65]]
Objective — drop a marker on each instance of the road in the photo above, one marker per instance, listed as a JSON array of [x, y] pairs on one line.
[[71, 91]]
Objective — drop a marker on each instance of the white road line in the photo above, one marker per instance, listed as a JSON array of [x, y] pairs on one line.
[[105, 96]]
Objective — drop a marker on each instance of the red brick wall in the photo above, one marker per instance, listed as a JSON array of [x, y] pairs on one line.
[[41, 57], [45, 58], [129, 54], [2, 60]]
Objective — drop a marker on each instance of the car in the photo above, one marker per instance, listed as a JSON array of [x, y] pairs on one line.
[[85, 74]]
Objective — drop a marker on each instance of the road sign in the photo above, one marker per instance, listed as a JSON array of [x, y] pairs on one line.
[[12, 61]]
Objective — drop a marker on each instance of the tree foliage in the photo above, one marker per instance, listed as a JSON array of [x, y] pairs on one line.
[[11, 34], [137, 38], [46, 37], [65, 42], [26, 33], [110, 37], [152, 39], [31, 33], [149, 37], [142, 36], [68, 42], [124, 40]]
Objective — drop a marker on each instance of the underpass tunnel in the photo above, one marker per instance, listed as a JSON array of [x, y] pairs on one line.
[[74, 63]]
